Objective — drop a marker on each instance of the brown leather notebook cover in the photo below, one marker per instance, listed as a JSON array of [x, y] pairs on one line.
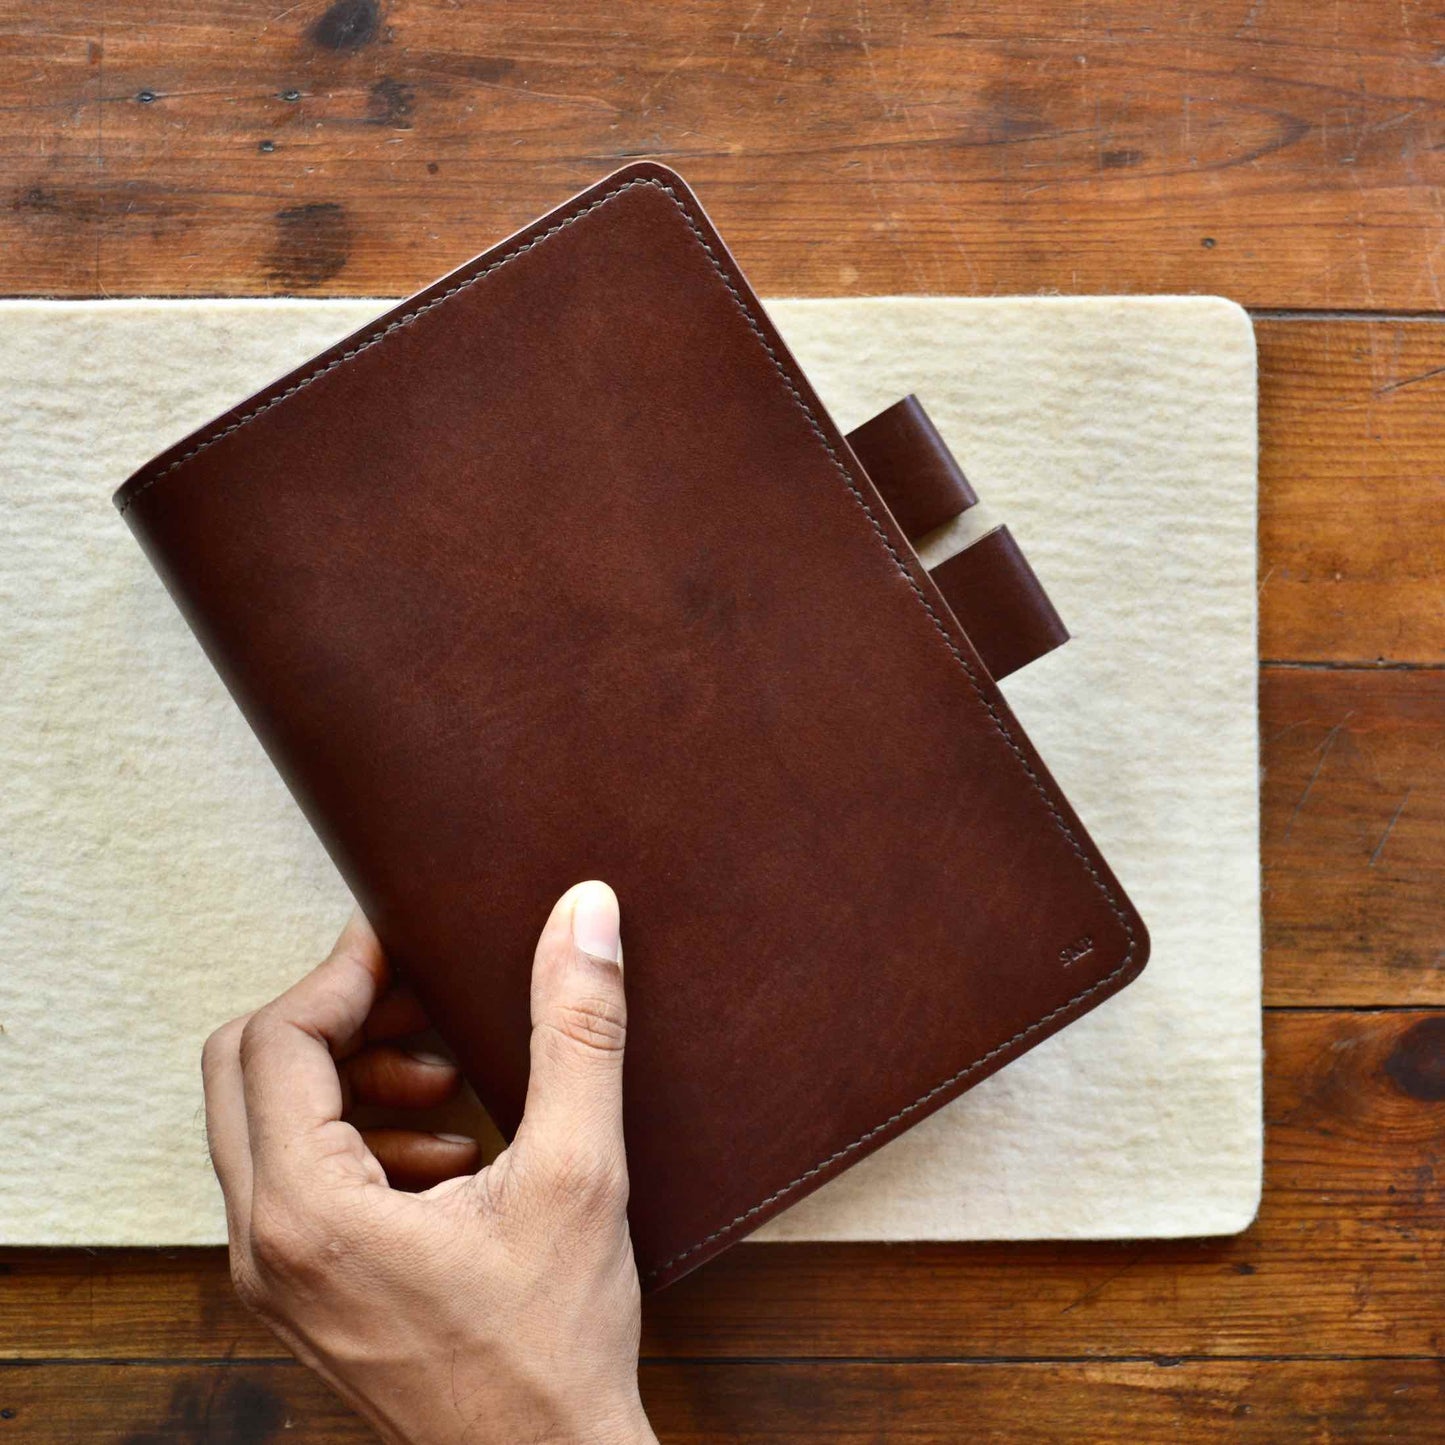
[[560, 570]]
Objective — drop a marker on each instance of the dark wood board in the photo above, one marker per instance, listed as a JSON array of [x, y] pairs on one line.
[[1286, 154], [1055, 1403]]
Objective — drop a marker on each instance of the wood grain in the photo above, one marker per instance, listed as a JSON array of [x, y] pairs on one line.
[[1352, 474], [1283, 154], [1346, 1258], [1353, 822], [855, 1404], [1046, 1404]]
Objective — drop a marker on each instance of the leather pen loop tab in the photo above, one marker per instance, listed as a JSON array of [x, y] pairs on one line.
[[999, 603], [912, 468]]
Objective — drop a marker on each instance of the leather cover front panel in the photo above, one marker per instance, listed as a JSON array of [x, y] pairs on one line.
[[560, 571]]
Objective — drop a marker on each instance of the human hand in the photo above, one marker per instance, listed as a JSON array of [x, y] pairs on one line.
[[501, 1305]]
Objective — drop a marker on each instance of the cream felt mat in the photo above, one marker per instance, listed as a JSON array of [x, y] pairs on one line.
[[155, 877]]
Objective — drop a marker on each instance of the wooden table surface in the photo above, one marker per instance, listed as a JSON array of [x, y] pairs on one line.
[[1287, 153]]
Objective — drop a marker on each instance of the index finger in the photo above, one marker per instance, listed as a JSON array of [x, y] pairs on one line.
[[289, 1049]]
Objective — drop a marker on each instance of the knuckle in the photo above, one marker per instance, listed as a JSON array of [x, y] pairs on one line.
[[247, 1283], [297, 1246], [220, 1045], [256, 1033], [350, 970], [596, 1021], [589, 1180], [282, 1246]]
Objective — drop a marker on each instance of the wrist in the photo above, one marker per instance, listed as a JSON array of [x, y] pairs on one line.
[[624, 1424]]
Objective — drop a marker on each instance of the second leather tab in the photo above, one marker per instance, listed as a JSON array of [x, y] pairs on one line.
[[1000, 603]]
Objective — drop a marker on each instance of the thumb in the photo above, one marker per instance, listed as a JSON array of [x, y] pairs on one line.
[[579, 1024]]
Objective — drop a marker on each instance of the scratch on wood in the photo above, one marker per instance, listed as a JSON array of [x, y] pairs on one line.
[[1324, 751], [740, 34], [1095, 1290], [1390, 828], [864, 26], [1248, 23], [661, 81], [1410, 380], [798, 38]]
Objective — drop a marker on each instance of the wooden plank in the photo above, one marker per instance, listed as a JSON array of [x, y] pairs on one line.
[[1105, 1402], [147, 1405], [1353, 836], [1070, 1403], [1346, 1258], [1285, 156], [1351, 529]]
